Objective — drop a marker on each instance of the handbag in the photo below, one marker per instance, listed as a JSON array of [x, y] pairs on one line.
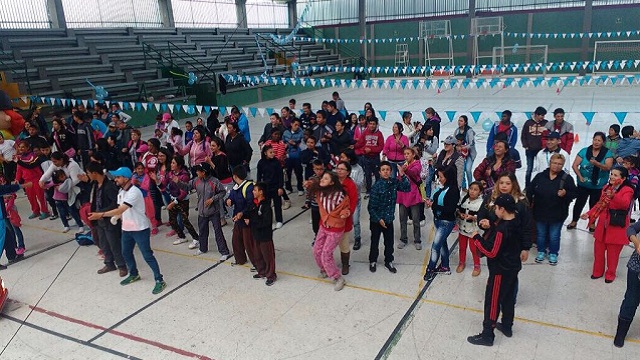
[[618, 218]]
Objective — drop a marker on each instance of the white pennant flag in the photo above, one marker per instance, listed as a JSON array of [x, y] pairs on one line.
[[261, 111], [144, 106], [132, 105], [52, 100], [199, 108], [157, 106], [171, 107], [245, 110], [85, 102]]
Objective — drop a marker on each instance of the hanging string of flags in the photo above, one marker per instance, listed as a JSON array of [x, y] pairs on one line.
[[591, 66], [255, 112], [438, 84], [580, 35]]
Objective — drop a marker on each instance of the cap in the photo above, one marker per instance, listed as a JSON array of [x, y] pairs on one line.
[[553, 135], [166, 117], [507, 202], [112, 124], [450, 140], [203, 167], [122, 171]]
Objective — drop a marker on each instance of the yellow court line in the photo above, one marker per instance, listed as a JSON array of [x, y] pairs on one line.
[[427, 256], [407, 297]]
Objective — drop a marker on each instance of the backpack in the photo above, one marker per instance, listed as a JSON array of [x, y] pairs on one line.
[[244, 188], [84, 239]]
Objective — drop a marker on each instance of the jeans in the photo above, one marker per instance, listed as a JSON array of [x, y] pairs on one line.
[[356, 219], [631, 296], [428, 182], [439, 247], [468, 170], [19, 236], [370, 166], [293, 165], [64, 210], [141, 238], [530, 155], [404, 215], [548, 236]]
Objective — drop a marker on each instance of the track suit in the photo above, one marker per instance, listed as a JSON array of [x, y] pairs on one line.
[[241, 197]]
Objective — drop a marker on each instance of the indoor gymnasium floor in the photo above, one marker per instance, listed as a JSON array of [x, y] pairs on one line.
[[61, 309]]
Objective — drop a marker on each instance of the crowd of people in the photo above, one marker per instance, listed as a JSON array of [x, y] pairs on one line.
[[339, 160]]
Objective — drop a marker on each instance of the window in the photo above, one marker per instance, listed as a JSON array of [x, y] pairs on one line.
[[24, 14], [111, 13], [205, 13], [267, 14]]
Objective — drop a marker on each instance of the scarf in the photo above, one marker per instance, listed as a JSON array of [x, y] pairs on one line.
[[595, 172], [608, 192]]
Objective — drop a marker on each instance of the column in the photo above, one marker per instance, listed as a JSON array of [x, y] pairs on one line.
[[56, 14], [292, 7], [241, 13], [362, 23], [166, 13]]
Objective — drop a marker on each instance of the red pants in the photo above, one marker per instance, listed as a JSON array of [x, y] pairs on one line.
[[150, 210], [84, 211], [35, 195], [612, 256], [463, 241], [243, 244], [266, 259]]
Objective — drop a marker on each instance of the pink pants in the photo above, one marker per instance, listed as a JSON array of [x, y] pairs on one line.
[[326, 243]]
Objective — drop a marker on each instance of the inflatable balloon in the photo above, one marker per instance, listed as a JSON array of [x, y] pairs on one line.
[[487, 124]]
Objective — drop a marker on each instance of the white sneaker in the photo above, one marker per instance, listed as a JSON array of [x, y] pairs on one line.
[[286, 204], [340, 283], [197, 253], [65, 229], [194, 244], [300, 193], [423, 223], [180, 241], [409, 222], [224, 258], [278, 225]]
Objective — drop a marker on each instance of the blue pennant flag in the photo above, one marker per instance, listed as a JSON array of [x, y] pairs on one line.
[[528, 114], [361, 112], [177, 108], [401, 112], [383, 114], [163, 107], [223, 110], [90, 103], [138, 106], [392, 84], [207, 109], [588, 115], [403, 83], [476, 116], [620, 116], [416, 83], [269, 111], [191, 109], [450, 115], [253, 111], [499, 113]]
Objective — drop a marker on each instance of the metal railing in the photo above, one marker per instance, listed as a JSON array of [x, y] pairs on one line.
[[273, 48], [173, 51]]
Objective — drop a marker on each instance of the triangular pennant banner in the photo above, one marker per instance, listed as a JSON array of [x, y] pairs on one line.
[[620, 116], [588, 116], [383, 114], [450, 115], [476, 116]]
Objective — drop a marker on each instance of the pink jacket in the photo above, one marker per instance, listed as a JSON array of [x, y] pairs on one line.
[[392, 150], [412, 197], [357, 132], [197, 152]]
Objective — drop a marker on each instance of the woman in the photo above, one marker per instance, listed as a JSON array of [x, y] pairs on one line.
[[238, 149], [409, 202], [353, 122], [179, 200], [213, 124], [341, 139], [269, 171], [63, 140], [612, 215], [343, 170], [427, 146], [632, 294], [411, 130], [357, 175], [433, 118], [449, 157], [393, 150], [163, 172], [131, 150], [494, 165], [469, 144], [550, 194], [370, 114], [592, 166], [444, 204], [334, 210], [221, 170], [198, 148]]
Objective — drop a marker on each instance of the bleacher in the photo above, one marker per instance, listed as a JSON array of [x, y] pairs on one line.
[[57, 62]]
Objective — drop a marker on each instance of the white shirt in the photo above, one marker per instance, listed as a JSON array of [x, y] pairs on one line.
[[541, 162], [72, 170], [172, 124], [7, 149], [134, 218]]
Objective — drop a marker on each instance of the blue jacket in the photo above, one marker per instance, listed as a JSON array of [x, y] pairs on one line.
[[628, 147], [382, 200], [243, 124], [293, 150], [238, 200], [512, 136]]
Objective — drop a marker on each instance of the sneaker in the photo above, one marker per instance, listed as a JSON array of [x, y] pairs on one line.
[[130, 279], [154, 231], [278, 225], [418, 246], [443, 270], [160, 285], [164, 208], [269, 282], [180, 241], [372, 267], [3, 267], [223, 223], [480, 339], [197, 252], [323, 275], [340, 283], [194, 244], [20, 251], [390, 267], [409, 222], [171, 233], [507, 331], [540, 257], [402, 244], [366, 196], [34, 215], [423, 223], [257, 276], [429, 275], [460, 268], [357, 244], [43, 216], [224, 258], [253, 269], [286, 204], [553, 259], [65, 229], [300, 193], [53, 217]]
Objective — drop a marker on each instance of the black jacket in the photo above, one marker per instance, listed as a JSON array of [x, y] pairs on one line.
[[543, 195], [268, 130], [502, 246], [238, 150], [270, 172], [340, 142], [446, 211], [523, 214], [108, 199], [260, 220]]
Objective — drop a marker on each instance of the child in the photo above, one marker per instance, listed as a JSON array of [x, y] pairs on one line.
[[270, 172], [7, 243], [16, 222], [259, 217], [318, 171], [29, 170], [311, 153], [463, 150], [64, 195], [280, 150], [188, 131], [175, 138], [162, 136], [502, 248], [48, 193], [240, 198], [333, 203], [468, 224], [382, 208], [143, 181]]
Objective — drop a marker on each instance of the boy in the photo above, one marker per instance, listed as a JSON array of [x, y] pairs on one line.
[[318, 171], [613, 138], [188, 133], [280, 149], [382, 208], [259, 217], [240, 198], [503, 249], [310, 154]]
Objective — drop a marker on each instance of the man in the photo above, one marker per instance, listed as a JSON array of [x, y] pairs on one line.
[[563, 128], [84, 136], [308, 118], [541, 162], [503, 126], [339, 103], [104, 197], [35, 140], [532, 139], [243, 123], [323, 131], [334, 114], [368, 148], [135, 228], [292, 104]]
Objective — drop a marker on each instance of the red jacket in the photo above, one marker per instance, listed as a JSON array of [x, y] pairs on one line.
[[614, 234], [352, 192], [372, 140]]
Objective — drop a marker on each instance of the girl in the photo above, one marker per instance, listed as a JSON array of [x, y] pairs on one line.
[[198, 149], [280, 150], [143, 181], [270, 172], [63, 140], [131, 150], [162, 172], [179, 201], [359, 128], [16, 221], [467, 220], [220, 165], [175, 138], [259, 217], [64, 194], [428, 146], [343, 169], [469, 139], [29, 170], [393, 150], [334, 210], [409, 202]]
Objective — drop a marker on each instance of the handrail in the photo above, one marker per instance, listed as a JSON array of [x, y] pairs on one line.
[[189, 56], [26, 74], [171, 49], [275, 46]]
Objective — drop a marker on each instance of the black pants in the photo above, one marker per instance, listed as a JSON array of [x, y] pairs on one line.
[[182, 207], [315, 219], [370, 166], [499, 297], [293, 166], [376, 231], [48, 194], [109, 240], [277, 203], [581, 200], [158, 203]]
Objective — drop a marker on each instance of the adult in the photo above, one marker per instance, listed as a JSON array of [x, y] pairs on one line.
[[213, 123], [115, 109], [242, 121], [333, 114], [130, 151], [274, 124], [339, 102], [221, 170], [410, 202], [632, 294], [427, 146], [543, 158], [104, 197], [612, 215], [36, 118], [343, 170], [561, 126], [35, 140], [61, 137], [238, 149], [8, 151], [393, 150], [449, 157], [322, 131], [444, 204], [135, 228], [341, 139], [531, 137], [411, 130], [360, 127], [503, 126], [591, 166], [494, 165], [308, 117], [198, 148], [433, 119], [179, 200], [368, 149], [469, 144], [84, 137], [293, 140], [550, 193], [287, 117]]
